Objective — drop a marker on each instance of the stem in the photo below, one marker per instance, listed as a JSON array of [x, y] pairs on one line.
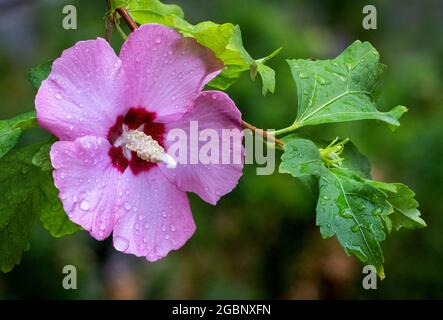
[[128, 20], [263, 133], [291, 128], [120, 31], [109, 23], [132, 25]]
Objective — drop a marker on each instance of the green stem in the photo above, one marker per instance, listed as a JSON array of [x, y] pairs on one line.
[[291, 128], [120, 30], [275, 146]]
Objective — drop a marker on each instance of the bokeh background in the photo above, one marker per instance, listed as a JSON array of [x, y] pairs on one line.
[[261, 240]]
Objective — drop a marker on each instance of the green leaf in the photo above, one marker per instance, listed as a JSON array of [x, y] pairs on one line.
[[267, 74], [41, 158], [352, 210], [18, 182], [26, 192], [341, 89], [224, 39], [349, 206], [301, 158], [153, 11], [39, 73], [355, 161], [51, 212], [405, 213], [12, 129]]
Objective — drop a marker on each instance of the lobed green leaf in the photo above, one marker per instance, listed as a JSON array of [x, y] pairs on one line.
[[12, 129], [405, 208], [341, 89], [350, 206], [26, 193], [39, 73]]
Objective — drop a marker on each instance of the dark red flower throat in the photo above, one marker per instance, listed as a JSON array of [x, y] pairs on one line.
[[134, 119]]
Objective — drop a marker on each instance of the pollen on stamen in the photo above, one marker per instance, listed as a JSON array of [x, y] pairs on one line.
[[146, 148]]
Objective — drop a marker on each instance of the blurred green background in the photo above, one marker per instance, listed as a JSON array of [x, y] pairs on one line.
[[261, 240]]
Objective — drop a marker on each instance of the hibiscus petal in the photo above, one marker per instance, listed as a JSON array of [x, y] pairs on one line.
[[166, 71], [155, 218], [87, 183], [211, 180], [82, 95]]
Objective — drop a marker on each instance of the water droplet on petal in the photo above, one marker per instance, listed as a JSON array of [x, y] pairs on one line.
[[84, 205], [173, 228], [121, 244], [58, 96], [158, 40], [127, 206]]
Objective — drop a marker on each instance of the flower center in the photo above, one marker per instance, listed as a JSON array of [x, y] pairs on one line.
[[137, 142], [144, 146]]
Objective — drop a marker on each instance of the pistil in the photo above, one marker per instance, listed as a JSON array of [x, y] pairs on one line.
[[144, 146]]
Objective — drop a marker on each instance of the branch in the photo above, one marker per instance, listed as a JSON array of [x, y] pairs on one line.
[[109, 22], [128, 20], [263, 133], [132, 25]]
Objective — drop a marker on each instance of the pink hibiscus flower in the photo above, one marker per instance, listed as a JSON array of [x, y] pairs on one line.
[[112, 115]]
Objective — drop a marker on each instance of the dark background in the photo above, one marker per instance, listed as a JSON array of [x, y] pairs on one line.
[[261, 240]]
